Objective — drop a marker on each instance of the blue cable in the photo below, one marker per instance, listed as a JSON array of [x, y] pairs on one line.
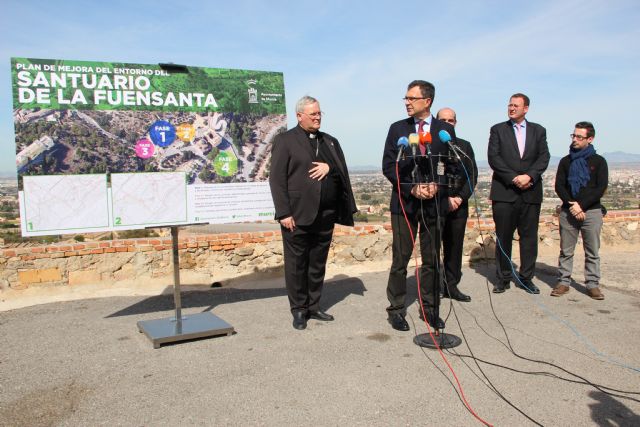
[[542, 305], [569, 325]]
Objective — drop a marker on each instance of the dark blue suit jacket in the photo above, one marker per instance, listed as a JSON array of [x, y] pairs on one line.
[[504, 159], [426, 172]]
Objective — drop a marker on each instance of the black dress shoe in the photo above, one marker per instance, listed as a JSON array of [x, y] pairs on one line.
[[455, 294], [320, 315], [436, 324], [528, 286], [500, 287], [299, 320], [398, 322]]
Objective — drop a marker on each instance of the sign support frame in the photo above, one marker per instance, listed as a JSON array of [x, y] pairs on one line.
[[182, 328]]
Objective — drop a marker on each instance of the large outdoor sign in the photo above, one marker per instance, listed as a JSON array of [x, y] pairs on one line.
[[111, 146]]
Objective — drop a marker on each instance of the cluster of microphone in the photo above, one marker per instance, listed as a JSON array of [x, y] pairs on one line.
[[422, 138], [425, 139]]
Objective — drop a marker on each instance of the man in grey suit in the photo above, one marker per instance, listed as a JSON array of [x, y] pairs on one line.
[[311, 192], [519, 155]]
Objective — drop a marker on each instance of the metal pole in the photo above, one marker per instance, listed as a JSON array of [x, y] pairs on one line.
[[176, 276]]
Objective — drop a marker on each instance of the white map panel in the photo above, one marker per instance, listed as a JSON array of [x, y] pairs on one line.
[[147, 199], [64, 203], [232, 202]]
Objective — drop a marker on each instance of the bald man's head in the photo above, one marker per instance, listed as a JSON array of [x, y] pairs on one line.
[[447, 115]]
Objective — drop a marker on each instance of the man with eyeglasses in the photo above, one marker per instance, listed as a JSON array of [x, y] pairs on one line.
[[416, 191], [518, 154], [311, 192], [455, 222], [581, 181]]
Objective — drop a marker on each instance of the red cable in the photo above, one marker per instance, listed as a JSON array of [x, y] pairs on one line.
[[435, 342]]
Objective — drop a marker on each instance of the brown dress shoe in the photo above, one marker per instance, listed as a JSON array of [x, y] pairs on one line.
[[560, 290], [595, 293]]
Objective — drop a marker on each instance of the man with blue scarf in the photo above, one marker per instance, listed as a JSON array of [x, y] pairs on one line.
[[581, 181]]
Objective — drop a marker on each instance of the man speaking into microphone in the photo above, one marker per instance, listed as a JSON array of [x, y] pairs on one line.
[[414, 176]]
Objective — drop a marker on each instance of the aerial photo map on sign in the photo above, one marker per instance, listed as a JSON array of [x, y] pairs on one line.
[[111, 146]]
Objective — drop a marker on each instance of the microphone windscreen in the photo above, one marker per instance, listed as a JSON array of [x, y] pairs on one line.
[[403, 141], [425, 138], [414, 139], [444, 136]]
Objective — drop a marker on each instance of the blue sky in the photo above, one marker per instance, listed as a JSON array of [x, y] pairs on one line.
[[577, 60]]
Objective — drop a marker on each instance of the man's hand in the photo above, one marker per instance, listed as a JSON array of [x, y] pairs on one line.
[[523, 181], [454, 203], [424, 191], [288, 223], [319, 171], [577, 211]]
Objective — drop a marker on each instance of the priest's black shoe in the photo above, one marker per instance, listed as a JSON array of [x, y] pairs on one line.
[[528, 286], [500, 287], [398, 322], [320, 315], [299, 320], [454, 293]]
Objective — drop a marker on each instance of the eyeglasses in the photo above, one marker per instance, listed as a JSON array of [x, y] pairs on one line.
[[578, 137], [412, 98], [452, 121], [315, 115]]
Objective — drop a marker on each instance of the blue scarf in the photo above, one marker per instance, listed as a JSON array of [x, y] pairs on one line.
[[578, 169]]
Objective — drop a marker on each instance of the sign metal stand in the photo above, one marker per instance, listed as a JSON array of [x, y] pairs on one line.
[[182, 328]]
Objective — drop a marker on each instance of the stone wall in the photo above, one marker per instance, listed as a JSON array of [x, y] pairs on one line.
[[215, 258]]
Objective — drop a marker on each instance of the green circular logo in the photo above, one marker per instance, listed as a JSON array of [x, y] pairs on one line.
[[225, 164]]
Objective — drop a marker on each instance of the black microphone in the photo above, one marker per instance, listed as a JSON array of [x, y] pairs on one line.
[[403, 142]]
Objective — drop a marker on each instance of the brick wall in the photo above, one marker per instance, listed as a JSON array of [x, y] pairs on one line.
[[205, 258]]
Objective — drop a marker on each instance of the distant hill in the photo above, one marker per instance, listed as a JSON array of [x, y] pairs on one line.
[[621, 157], [553, 162], [612, 158], [364, 169]]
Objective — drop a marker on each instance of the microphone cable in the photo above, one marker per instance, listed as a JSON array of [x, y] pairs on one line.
[[417, 274], [509, 346], [572, 328], [583, 381], [490, 385]]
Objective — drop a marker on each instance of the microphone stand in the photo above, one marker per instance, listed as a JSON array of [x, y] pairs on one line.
[[415, 170], [438, 339]]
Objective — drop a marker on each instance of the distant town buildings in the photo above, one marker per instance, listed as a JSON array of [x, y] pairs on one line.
[[372, 191]]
